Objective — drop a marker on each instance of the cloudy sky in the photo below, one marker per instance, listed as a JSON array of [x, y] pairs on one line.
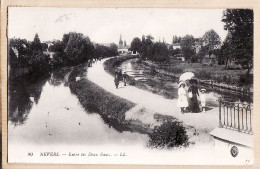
[[104, 25]]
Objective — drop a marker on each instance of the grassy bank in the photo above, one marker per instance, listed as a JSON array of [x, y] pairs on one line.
[[95, 99], [218, 73], [113, 110]]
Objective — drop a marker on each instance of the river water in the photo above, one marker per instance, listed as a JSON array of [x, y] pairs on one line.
[[45, 113]]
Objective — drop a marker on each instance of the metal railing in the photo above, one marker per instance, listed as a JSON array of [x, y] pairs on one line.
[[236, 116]]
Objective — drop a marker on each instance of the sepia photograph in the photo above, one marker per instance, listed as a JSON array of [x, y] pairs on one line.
[[146, 86]]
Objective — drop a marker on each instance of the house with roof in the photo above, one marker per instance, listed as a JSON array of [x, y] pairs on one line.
[[176, 46]]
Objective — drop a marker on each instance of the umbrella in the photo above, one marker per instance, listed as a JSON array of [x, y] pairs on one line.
[[186, 76]]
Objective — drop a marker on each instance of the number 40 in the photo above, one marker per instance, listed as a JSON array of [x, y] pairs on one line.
[[30, 154]]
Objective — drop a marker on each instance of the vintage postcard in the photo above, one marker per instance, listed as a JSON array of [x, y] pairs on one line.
[[146, 86]]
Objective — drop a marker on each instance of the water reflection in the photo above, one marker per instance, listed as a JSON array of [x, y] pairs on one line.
[[22, 94], [46, 112]]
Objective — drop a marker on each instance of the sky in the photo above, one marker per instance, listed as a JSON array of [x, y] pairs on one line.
[[104, 25]]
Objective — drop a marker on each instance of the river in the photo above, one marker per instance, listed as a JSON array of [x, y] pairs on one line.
[[46, 113]]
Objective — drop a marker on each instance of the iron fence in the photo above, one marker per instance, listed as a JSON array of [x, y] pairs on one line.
[[236, 116]]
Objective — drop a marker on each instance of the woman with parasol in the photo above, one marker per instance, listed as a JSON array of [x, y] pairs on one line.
[[192, 90], [193, 94]]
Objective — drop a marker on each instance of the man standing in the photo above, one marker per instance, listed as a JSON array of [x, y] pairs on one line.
[[125, 76]]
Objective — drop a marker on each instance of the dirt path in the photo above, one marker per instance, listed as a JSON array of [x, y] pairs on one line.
[[207, 120]]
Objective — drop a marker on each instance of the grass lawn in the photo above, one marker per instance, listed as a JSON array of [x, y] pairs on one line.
[[217, 73]]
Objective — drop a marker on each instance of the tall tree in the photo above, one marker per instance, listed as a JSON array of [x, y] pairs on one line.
[[146, 47], [159, 52], [211, 40], [240, 24], [187, 46], [143, 39], [176, 39], [136, 44], [36, 44]]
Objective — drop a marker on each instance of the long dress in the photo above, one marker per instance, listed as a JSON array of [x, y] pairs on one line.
[[194, 105], [182, 100], [203, 99]]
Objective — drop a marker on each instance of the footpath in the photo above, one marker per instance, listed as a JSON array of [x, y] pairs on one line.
[[204, 121]]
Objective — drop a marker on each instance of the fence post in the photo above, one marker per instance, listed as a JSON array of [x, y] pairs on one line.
[[220, 124], [238, 117]]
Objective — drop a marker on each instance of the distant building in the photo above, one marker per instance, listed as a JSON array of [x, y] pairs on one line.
[[176, 46], [122, 47], [197, 47], [210, 60]]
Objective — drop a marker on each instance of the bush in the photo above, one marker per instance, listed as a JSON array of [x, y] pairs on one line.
[[245, 80], [168, 135]]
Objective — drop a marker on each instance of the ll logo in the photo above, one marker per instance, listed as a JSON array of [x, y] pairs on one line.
[[234, 151]]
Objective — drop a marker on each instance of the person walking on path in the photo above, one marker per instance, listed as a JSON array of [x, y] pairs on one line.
[[193, 93], [203, 99], [125, 76], [116, 80], [182, 100]]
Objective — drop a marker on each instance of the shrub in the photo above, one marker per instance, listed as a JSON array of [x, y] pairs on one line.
[[168, 135], [245, 80]]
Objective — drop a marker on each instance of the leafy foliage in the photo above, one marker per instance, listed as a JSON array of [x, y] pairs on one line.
[[211, 40], [136, 44], [149, 50], [187, 44], [168, 135], [36, 44], [74, 48], [239, 43], [159, 52]]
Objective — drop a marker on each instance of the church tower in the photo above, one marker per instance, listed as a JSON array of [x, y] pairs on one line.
[[120, 41]]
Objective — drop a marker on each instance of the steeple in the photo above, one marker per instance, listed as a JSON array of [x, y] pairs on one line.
[[124, 43], [120, 40]]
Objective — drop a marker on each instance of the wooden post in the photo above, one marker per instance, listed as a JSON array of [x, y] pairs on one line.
[[220, 125], [238, 117]]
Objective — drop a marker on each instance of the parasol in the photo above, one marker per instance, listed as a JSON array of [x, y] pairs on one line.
[[186, 76]]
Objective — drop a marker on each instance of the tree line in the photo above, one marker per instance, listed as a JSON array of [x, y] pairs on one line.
[[74, 48], [157, 51], [236, 47]]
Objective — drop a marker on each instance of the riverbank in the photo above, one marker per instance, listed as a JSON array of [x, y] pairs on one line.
[[111, 108], [152, 84], [124, 115], [216, 76]]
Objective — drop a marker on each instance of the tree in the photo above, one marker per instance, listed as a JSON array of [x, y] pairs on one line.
[[143, 39], [36, 44], [187, 44], [211, 40], [159, 52], [240, 24], [78, 48], [136, 44], [226, 51], [176, 39], [113, 48], [147, 45]]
